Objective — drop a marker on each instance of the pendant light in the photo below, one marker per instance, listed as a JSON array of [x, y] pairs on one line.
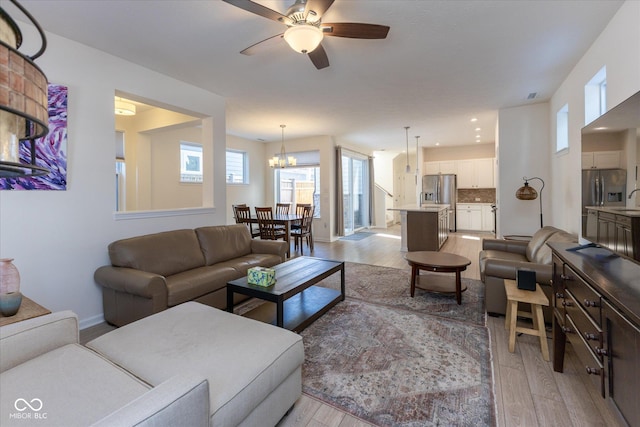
[[282, 161], [417, 169], [408, 168], [24, 109]]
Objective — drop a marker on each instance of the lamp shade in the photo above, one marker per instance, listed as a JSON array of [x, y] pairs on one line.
[[303, 38], [526, 192]]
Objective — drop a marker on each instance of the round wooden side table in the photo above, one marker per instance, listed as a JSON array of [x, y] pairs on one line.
[[438, 262]]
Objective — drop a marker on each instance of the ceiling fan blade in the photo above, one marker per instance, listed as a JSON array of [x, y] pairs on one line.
[[271, 41], [355, 30], [316, 8], [319, 57], [261, 10]]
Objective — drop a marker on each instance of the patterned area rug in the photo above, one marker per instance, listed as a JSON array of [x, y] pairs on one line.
[[387, 360], [390, 287]]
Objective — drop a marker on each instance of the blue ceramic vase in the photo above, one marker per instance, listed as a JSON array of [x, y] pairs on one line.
[[10, 303]]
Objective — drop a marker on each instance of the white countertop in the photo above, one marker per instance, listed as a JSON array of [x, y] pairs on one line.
[[423, 208]]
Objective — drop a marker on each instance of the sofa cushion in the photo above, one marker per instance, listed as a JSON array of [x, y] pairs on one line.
[[224, 242], [543, 255], [75, 386], [242, 264], [213, 343], [192, 284], [538, 240], [491, 254], [164, 253]]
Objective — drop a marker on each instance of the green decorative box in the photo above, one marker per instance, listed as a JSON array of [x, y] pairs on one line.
[[261, 276]]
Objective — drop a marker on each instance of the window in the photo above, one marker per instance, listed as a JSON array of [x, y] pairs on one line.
[[302, 183], [190, 162], [595, 96], [237, 167], [562, 129]]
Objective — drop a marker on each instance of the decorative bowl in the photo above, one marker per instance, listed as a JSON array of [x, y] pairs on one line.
[[10, 303]]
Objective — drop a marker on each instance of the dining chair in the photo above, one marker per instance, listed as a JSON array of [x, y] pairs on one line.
[[299, 211], [282, 208], [243, 216], [304, 231], [268, 229]]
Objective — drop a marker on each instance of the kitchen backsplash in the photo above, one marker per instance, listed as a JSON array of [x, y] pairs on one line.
[[480, 195]]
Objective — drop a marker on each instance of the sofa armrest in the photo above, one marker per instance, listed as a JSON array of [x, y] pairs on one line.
[[132, 281], [514, 246], [275, 247], [179, 401], [506, 269], [22, 341]]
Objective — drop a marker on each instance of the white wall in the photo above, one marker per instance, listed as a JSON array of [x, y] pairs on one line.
[[59, 238], [523, 150], [253, 193], [617, 48], [167, 191]]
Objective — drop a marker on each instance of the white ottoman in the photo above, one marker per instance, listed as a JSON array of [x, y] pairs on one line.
[[254, 369]]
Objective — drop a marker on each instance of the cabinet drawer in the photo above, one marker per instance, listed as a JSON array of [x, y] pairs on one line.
[[623, 220], [592, 365], [606, 216], [469, 207], [586, 328], [584, 294]]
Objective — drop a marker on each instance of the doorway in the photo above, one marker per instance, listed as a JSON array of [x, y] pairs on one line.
[[355, 192]]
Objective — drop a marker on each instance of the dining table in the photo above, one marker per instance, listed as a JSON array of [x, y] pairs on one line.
[[283, 219]]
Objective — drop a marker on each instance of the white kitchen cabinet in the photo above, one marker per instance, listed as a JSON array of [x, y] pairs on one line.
[[469, 217], [487, 218], [475, 173], [601, 159], [444, 167]]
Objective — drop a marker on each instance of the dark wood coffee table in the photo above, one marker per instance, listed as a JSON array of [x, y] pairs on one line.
[[438, 262], [297, 302]]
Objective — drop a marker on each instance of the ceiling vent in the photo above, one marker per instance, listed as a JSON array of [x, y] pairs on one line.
[[532, 95]]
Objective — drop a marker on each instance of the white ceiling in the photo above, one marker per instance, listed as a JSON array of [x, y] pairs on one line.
[[442, 63]]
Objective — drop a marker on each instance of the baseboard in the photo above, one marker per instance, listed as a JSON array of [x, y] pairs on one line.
[[91, 321]]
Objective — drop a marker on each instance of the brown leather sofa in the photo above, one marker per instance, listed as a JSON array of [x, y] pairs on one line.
[[151, 273], [500, 259]]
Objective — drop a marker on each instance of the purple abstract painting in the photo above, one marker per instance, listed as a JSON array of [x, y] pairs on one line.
[[51, 150]]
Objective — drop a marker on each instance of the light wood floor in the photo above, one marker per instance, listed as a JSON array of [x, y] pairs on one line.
[[527, 391]]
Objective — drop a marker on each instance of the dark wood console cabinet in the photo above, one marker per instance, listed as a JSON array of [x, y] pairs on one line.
[[596, 304]]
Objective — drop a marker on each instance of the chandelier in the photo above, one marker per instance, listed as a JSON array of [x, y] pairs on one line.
[[282, 161], [23, 93]]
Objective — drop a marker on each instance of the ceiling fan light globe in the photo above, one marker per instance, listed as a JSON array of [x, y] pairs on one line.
[[303, 38]]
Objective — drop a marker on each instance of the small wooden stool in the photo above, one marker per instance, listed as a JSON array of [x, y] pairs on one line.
[[537, 299]]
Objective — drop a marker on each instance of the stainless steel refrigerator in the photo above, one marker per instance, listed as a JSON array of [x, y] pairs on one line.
[[602, 187], [441, 189]]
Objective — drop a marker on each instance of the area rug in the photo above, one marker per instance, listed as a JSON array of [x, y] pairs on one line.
[[386, 360], [357, 236], [390, 286]]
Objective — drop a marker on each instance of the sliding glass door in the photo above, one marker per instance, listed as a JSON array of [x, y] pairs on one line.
[[355, 192]]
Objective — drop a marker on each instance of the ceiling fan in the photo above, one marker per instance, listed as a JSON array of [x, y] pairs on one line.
[[306, 29]]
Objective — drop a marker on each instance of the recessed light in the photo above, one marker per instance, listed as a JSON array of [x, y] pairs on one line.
[[474, 119], [478, 129], [477, 136], [437, 143], [601, 128]]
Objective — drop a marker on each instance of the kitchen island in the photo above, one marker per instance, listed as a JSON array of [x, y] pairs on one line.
[[423, 228], [616, 228]]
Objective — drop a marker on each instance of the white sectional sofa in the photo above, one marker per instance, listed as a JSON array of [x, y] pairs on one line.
[[190, 365]]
